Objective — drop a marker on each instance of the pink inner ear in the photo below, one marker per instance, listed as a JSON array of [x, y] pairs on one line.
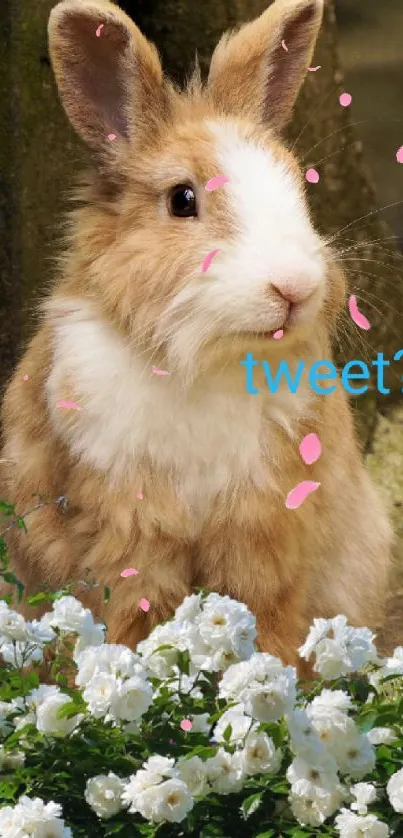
[[288, 67], [92, 78]]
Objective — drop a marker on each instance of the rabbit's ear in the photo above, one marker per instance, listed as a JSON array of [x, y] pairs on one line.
[[258, 71], [109, 76]]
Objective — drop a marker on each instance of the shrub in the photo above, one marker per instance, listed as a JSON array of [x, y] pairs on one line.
[[196, 733]]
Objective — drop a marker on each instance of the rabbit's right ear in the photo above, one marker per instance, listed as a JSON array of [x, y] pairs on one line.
[[109, 76]]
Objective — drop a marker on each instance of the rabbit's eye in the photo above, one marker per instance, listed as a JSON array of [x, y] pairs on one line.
[[182, 201]]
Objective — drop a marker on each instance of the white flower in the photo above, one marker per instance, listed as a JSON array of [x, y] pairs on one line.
[[317, 632], [265, 687], [103, 794], [353, 826], [311, 804], [109, 659], [131, 699], [162, 663], [364, 793], [189, 609], [381, 736], [92, 635], [200, 723], [69, 615], [34, 818], [394, 790], [227, 625], [193, 772], [303, 735], [339, 649], [330, 723], [169, 801], [47, 720], [154, 771], [161, 766], [271, 701], [12, 624], [259, 755], [37, 696], [353, 752], [19, 653], [225, 772], [240, 724], [322, 771], [40, 631], [100, 693], [332, 700]]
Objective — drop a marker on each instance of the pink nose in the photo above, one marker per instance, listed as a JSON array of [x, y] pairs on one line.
[[291, 292]]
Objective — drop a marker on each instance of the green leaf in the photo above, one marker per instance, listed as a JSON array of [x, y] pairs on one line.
[[251, 804], [227, 733]]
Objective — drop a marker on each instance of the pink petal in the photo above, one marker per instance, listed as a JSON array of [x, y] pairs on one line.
[[284, 46], [297, 495], [157, 371], [399, 154], [279, 334], [186, 724], [208, 259], [144, 604], [345, 99], [312, 176], [314, 69], [216, 182], [25, 377], [72, 405], [356, 315], [140, 495], [130, 571], [99, 30], [111, 137], [310, 449]]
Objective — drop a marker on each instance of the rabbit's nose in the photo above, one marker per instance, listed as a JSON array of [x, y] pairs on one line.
[[291, 291]]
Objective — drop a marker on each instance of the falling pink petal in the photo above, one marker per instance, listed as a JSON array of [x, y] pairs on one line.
[[356, 315], [312, 176], [314, 69], [99, 30], [216, 182], [297, 495], [144, 604], [157, 371], [130, 571], [310, 449], [279, 334], [208, 259], [345, 99], [111, 137], [283, 44], [186, 724], [72, 405], [140, 495], [399, 154], [25, 377]]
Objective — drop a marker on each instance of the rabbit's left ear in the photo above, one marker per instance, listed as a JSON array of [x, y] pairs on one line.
[[258, 71]]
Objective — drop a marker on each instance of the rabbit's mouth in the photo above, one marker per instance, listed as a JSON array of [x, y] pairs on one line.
[[261, 335]]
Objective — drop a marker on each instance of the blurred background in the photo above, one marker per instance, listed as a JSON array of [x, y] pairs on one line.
[[358, 200]]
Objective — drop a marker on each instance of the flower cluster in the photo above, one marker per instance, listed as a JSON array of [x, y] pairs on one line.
[[258, 751]]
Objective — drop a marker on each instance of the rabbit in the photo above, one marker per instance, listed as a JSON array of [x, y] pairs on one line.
[[168, 464]]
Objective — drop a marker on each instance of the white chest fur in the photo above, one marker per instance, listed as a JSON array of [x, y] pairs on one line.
[[206, 438]]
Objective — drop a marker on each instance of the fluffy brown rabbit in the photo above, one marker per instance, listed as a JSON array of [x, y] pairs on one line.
[[184, 476]]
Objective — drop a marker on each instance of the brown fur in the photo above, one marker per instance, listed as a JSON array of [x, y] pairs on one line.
[[128, 260]]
